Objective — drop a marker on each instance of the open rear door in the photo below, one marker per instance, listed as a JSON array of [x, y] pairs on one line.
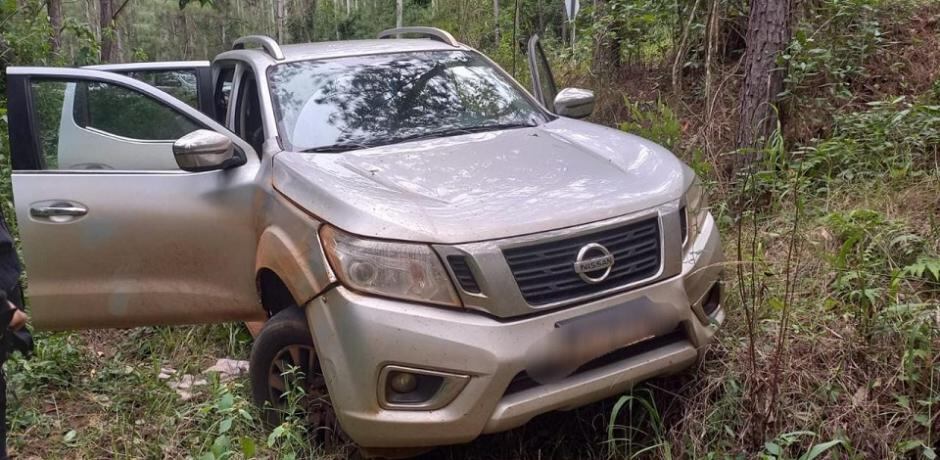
[[543, 82]]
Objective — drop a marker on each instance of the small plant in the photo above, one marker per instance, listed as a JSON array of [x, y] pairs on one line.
[[875, 253], [56, 362], [291, 436], [229, 420], [779, 448], [657, 122], [935, 92], [643, 433]]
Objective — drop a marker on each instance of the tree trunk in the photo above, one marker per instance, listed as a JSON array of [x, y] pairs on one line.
[[335, 13], [496, 21], [399, 7], [118, 54], [681, 48], [239, 16], [280, 10], [184, 31], [541, 18], [768, 33], [107, 32], [312, 15], [110, 40], [55, 21]]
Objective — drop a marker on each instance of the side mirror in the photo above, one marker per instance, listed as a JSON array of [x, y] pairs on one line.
[[204, 150], [574, 102]]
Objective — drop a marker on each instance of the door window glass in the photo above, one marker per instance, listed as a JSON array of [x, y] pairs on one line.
[[48, 96], [126, 113], [181, 83], [248, 113], [84, 124], [223, 93], [546, 80]]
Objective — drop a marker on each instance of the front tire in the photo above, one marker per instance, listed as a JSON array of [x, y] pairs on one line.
[[283, 344]]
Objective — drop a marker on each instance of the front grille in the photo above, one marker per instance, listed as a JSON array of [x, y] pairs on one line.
[[545, 272]]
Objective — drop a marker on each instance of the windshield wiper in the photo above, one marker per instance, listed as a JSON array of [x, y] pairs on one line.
[[336, 148], [347, 146], [456, 131]]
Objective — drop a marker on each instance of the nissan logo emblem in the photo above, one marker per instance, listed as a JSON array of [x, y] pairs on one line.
[[594, 263]]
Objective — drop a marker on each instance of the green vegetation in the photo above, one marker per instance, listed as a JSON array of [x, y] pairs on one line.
[[831, 346]]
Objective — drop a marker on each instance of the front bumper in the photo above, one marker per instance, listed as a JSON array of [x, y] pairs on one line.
[[356, 336]]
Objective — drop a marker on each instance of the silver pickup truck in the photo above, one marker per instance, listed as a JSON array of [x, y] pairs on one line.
[[441, 252]]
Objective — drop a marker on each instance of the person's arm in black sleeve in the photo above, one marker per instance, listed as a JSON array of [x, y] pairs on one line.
[[9, 265]]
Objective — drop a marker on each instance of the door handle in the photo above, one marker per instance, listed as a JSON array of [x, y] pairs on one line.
[[65, 210]]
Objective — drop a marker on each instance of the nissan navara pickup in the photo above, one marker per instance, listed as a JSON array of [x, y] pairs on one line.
[[440, 252]]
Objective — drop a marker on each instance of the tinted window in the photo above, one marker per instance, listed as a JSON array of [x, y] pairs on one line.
[[181, 84], [380, 99], [48, 97], [248, 112], [223, 93], [119, 111]]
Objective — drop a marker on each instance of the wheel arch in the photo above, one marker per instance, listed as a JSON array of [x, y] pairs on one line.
[[288, 272]]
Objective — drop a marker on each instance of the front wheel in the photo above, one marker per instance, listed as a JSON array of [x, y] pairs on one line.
[[286, 378]]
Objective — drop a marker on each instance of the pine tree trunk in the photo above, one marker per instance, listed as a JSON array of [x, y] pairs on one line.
[[107, 32], [55, 21], [768, 33]]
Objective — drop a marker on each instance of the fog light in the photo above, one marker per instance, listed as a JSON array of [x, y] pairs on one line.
[[402, 382], [407, 388], [712, 300]]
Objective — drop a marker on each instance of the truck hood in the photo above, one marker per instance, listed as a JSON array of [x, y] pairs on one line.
[[484, 186]]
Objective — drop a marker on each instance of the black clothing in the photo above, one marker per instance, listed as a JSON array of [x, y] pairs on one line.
[[9, 265], [6, 316], [10, 341]]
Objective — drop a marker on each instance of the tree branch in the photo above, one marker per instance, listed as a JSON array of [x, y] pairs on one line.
[[118, 11]]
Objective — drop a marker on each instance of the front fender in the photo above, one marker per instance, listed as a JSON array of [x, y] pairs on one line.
[[294, 253]]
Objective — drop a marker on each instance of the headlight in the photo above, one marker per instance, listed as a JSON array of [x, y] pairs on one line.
[[693, 212], [401, 270]]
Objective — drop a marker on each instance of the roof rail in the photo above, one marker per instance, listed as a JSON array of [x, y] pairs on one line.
[[428, 32], [270, 46]]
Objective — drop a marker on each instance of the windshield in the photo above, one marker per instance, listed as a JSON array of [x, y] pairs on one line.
[[363, 101]]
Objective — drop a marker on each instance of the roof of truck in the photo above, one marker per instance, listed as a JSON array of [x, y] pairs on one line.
[[332, 49]]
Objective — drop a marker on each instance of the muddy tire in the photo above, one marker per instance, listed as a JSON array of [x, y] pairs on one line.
[[285, 343]]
